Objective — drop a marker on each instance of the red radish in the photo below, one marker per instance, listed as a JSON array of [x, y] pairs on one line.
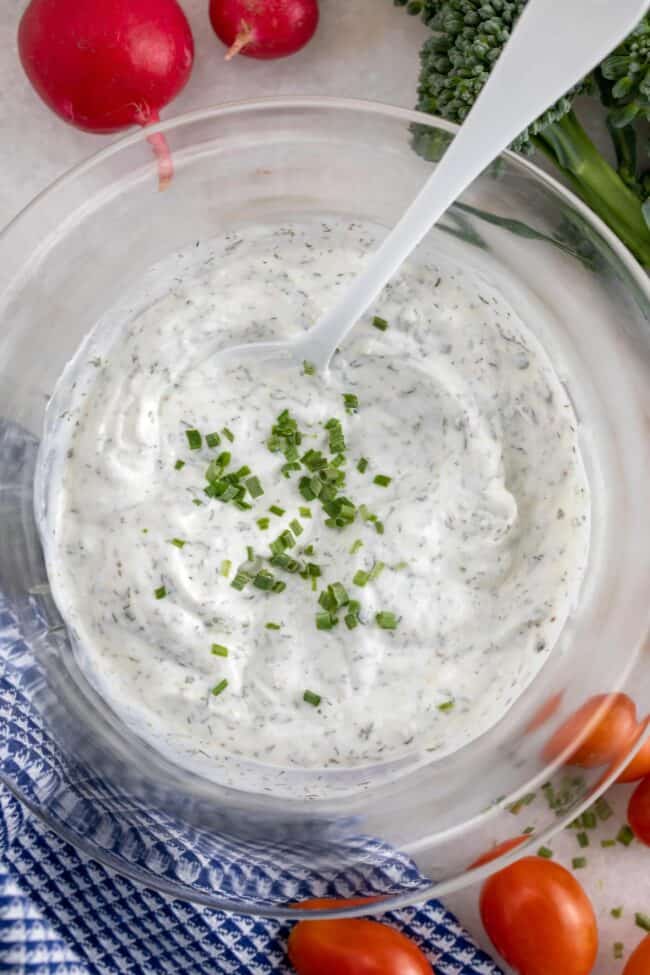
[[264, 28], [103, 66]]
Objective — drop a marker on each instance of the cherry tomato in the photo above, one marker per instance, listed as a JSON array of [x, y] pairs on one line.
[[639, 767], [352, 946], [638, 811], [611, 723], [639, 961], [539, 919], [498, 851]]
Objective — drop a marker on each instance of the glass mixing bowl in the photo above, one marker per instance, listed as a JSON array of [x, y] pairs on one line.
[[412, 834]]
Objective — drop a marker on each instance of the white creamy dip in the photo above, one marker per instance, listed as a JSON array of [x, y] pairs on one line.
[[485, 519]]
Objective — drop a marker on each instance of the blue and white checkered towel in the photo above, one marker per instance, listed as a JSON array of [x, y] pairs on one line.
[[63, 913]]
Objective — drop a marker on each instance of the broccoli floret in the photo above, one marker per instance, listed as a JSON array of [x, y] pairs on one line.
[[468, 37]]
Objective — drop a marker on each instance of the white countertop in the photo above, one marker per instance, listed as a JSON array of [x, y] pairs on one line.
[[365, 49]]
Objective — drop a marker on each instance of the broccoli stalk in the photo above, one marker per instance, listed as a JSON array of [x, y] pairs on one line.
[[467, 38]]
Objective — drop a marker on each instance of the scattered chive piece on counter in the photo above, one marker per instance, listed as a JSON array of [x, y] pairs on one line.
[[273, 626], [380, 323], [642, 921], [194, 439], [446, 706], [308, 550], [619, 949], [264, 580], [220, 687], [583, 839], [376, 571], [616, 912], [545, 853], [197, 502], [179, 465], [160, 592], [351, 402], [589, 820], [308, 368], [304, 512], [603, 809], [263, 523], [360, 578], [578, 863], [241, 580], [382, 480], [228, 434], [276, 510], [386, 620], [212, 439], [625, 835], [362, 466], [226, 566], [607, 843], [310, 698], [356, 545], [296, 527], [255, 489], [325, 620], [219, 650], [178, 542]]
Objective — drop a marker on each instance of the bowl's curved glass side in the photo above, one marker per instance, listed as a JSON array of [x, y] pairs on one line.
[[64, 752]]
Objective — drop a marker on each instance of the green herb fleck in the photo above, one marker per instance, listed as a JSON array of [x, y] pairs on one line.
[[616, 912], [545, 853], [642, 921], [219, 650], [311, 698], [255, 489], [264, 580], [273, 626], [351, 402], [583, 839], [220, 687], [376, 571], [241, 580], [178, 542], [296, 527], [308, 368], [607, 843], [304, 512], [194, 439], [386, 620], [360, 578], [160, 592], [263, 523], [212, 439], [356, 545], [603, 809], [625, 835], [226, 566], [179, 465], [449, 706], [275, 510], [228, 434], [382, 480], [578, 863], [325, 620], [619, 949], [380, 323], [362, 466]]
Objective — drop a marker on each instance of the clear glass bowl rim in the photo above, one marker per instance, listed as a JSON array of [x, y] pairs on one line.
[[632, 267]]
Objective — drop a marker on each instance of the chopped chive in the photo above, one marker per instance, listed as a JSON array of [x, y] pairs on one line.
[[362, 466], [241, 580], [304, 486], [273, 626], [160, 592], [351, 620], [243, 471], [308, 550], [545, 853], [179, 465], [376, 571], [382, 480], [197, 502], [296, 527], [228, 434], [308, 368], [625, 835], [279, 586], [275, 510], [220, 687], [380, 323], [386, 620], [616, 912], [312, 570], [588, 819], [607, 843], [304, 512], [250, 553], [578, 863], [194, 439], [360, 578], [263, 523], [583, 839], [618, 950], [145, 531], [212, 439], [399, 566], [226, 566], [603, 809], [287, 538], [310, 698], [325, 620], [243, 505], [379, 527], [339, 594], [642, 921], [448, 706], [255, 489], [356, 545], [264, 580], [219, 650], [178, 542], [351, 402]]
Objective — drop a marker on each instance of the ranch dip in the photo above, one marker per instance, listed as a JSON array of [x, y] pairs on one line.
[[228, 607]]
